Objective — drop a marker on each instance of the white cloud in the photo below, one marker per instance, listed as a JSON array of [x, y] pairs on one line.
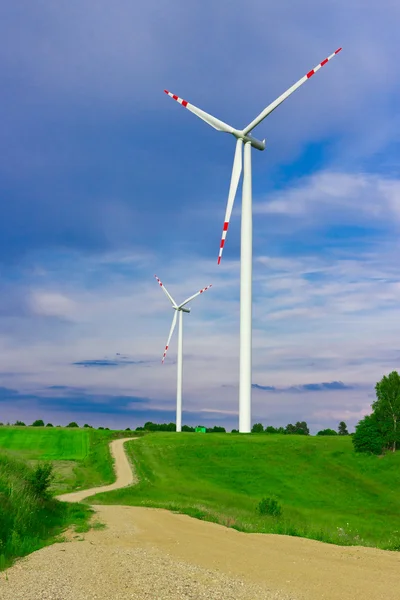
[[336, 198], [52, 304]]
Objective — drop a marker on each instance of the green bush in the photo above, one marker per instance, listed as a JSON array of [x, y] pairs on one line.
[[40, 479], [327, 432], [367, 437], [269, 506]]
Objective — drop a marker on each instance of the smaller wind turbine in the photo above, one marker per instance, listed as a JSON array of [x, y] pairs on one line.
[[178, 308]]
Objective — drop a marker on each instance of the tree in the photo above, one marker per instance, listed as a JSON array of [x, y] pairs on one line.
[[216, 429], [327, 432], [270, 429], [368, 437], [72, 424], [300, 428], [257, 428], [235, 431], [88, 426], [342, 429], [387, 408], [49, 425], [127, 429], [19, 424], [187, 428], [38, 423]]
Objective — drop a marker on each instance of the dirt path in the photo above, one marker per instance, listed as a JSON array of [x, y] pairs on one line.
[[154, 554], [123, 472]]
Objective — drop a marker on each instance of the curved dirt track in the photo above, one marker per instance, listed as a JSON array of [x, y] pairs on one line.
[[154, 554], [123, 473]]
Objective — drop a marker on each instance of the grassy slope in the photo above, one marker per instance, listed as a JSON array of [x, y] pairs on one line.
[[327, 491], [30, 519], [81, 457]]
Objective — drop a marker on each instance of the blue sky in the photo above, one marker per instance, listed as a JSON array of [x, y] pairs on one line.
[[105, 181]]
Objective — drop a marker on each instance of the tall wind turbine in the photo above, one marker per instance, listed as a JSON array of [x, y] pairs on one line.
[[179, 309], [246, 259]]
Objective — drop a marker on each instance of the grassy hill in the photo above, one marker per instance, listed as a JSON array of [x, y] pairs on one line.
[[326, 490], [80, 457]]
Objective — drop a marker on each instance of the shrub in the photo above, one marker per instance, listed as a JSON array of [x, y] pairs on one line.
[[257, 428], [269, 506], [40, 479], [38, 423], [327, 432], [72, 424], [49, 425]]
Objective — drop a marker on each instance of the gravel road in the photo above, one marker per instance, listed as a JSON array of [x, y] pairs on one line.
[[154, 554]]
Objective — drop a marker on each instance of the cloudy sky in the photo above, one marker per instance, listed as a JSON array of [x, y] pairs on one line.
[[105, 181]]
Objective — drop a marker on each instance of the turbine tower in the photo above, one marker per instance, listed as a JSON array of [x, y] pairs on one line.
[[179, 309], [243, 137]]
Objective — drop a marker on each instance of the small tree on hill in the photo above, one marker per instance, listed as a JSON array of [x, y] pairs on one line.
[[327, 432], [257, 428], [88, 426], [72, 424], [342, 429], [19, 424], [49, 425], [38, 423], [300, 428], [368, 437]]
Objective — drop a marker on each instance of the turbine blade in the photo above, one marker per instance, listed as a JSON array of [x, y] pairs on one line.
[[213, 121], [236, 172], [195, 295], [286, 94], [171, 331], [166, 292]]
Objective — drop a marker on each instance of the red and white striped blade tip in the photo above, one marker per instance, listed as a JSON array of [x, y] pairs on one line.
[[175, 97], [206, 288], [321, 64]]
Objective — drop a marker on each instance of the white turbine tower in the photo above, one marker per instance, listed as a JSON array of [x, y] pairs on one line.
[[178, 308], [246, 259]]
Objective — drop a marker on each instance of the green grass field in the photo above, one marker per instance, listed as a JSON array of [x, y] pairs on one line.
[[326, 490], [80, 457], [46, 443]]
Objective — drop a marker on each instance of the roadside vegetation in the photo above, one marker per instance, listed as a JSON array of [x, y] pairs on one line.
[[30, 518]]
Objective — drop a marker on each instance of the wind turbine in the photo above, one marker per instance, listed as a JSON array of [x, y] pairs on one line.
[[246, 259], [179, 309]]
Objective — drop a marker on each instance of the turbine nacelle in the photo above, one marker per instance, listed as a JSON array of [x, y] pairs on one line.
[[257, 144], [186, 310]]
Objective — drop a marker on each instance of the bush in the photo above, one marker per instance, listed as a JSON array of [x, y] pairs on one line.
[[72, 424], [41, 478], [49, 425], [257, 428], [269, 506], [38, 423], [367, 437], [327, 432]]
